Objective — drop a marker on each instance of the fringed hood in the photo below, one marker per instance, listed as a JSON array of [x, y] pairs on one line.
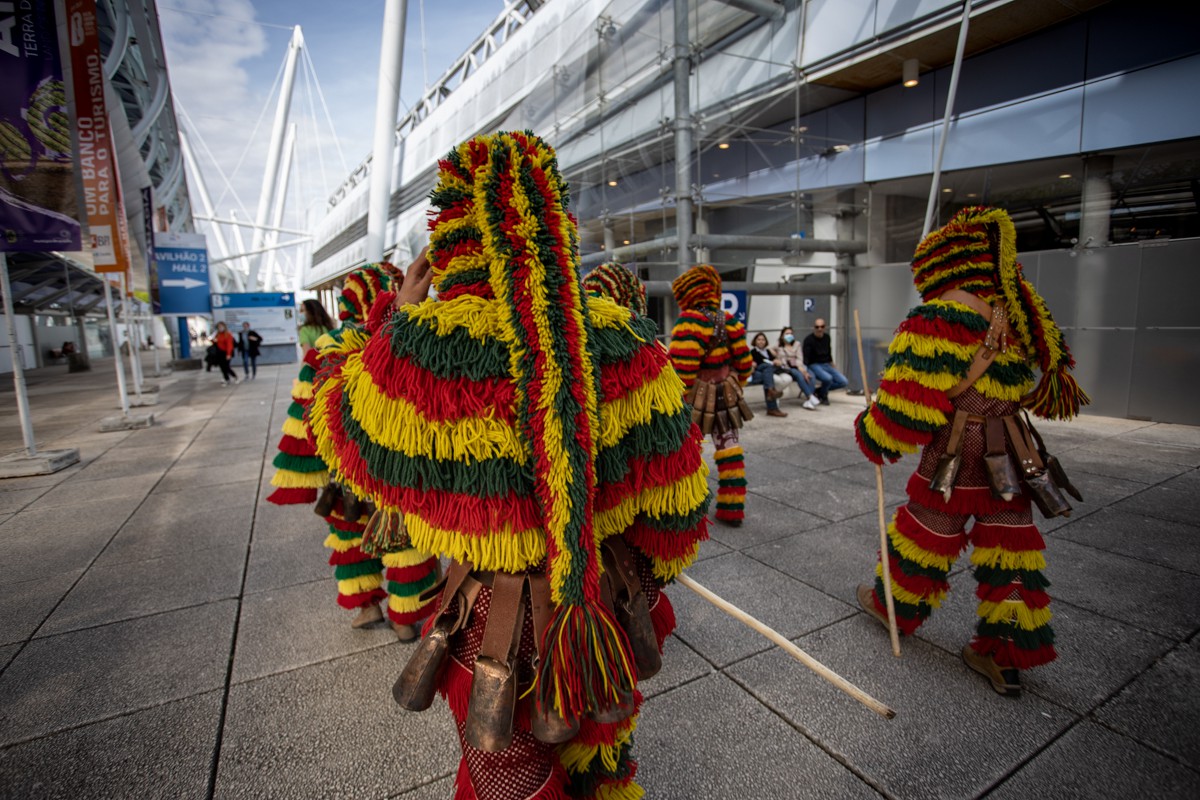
[[618, 283], [977, 253], [360, 289], [699, 287]]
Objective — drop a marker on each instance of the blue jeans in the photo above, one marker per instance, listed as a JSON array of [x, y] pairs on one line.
[[801, 381], [249, 363], [829, 377], [764, 373]]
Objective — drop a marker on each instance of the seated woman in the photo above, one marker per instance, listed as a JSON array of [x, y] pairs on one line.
[[764, 373], [790, 360]]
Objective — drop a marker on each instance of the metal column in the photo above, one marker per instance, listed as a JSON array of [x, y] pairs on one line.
[[18, 360], [683, 135]]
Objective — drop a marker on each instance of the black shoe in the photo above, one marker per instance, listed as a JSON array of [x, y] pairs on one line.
[[824, 401], [855, 392]]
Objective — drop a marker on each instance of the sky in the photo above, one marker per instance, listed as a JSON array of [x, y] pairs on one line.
[[224, 56]]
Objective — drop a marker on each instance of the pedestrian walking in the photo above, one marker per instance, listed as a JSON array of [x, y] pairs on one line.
[[225, 343], [248, 345], [959, 374]]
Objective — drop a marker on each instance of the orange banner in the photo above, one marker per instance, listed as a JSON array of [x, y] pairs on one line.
[[97, 155]]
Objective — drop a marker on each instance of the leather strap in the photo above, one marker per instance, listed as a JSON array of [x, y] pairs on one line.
[[957, 427], [994, 436], [995, 340], [540, 605], [1027, 454], [622, 564], [505, 616]]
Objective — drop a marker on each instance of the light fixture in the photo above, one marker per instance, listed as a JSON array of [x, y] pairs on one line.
[[624, 241], [911, 66], [723, 146], [972, 194], [612, 181], [947, 190], [1064, 176]]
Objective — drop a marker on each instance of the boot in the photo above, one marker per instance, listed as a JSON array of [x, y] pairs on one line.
[[866, 601], [367, 615], [1005, 680]]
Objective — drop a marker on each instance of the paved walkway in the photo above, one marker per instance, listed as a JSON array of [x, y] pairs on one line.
[[164, 632]]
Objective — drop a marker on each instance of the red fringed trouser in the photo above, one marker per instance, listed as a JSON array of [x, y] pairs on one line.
[[928, 534], [359, 577], [597, 763], [731, 476]]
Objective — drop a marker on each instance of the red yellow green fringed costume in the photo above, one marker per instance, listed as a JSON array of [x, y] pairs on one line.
[[930, 354], [615, 281], [514, 426], [698, 352], [300, 472], [408, 571]]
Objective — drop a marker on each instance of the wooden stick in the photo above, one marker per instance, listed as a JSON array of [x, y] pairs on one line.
[[883, 544], [789, 648]]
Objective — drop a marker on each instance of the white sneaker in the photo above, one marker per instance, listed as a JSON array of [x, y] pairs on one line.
[[811, 404], [236, 380]]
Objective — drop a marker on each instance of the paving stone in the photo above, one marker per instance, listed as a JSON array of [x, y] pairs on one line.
[[1120, 446], [1088, 459], [162, 752], [710, 548], [43, 481], [76, 533], [24, 606], [194, 477], [952, 736], [168, 523], [710, 739], [831, 498], [113, 592], [1165, 503], [1096, 655], [332, 730], [6, 654], [221, 458], [681, 664], [833, 559], [278, 562], [13, 500], [272, 522], [64, 681], [766, 520], [295, 626], [1090, 762], [241, 492], [767, 594], [1099, 491], [145, 463], [1177, 436], [1160, 707], [1185, 482], [85, 492], [1154, 598], [1168, 544], [437, 790], [818, 457]]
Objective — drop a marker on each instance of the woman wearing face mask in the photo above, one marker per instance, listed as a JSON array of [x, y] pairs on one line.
[[790, 359], [764, 373]]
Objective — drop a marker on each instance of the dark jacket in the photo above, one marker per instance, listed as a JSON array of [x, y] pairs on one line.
[[249, 339], [818, 351]]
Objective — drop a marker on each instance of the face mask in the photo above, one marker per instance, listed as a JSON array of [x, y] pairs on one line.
[[789, 338]]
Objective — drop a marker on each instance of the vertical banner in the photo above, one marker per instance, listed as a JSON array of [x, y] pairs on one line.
[[151, 264], [97, 155], [38, 205]]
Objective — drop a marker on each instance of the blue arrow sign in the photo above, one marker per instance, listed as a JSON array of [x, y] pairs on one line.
[[182, 273]]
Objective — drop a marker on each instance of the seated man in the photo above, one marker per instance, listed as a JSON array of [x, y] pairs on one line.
[[818, 357]]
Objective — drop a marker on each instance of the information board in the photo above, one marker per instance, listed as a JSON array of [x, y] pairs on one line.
[[271, 314]]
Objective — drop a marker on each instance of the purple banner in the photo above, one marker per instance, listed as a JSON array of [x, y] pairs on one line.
[[151, 262], [38, 206]]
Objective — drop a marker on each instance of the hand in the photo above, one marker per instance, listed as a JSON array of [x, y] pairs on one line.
[[417, 279]]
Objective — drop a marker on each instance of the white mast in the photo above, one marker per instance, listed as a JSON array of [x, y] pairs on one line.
[[206, 203], [271, 174], [387, 98], [289, 150]]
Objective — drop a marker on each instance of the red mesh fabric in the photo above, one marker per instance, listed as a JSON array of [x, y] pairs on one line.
[[524, 770]]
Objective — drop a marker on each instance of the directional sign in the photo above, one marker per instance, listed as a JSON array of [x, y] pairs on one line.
[[735, 303], [271, 314], [182, 272]]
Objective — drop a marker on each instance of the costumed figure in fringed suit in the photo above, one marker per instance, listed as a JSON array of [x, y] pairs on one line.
[[535, 438], [300, 472], [619, 284], [958, 374], [709, 352]]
